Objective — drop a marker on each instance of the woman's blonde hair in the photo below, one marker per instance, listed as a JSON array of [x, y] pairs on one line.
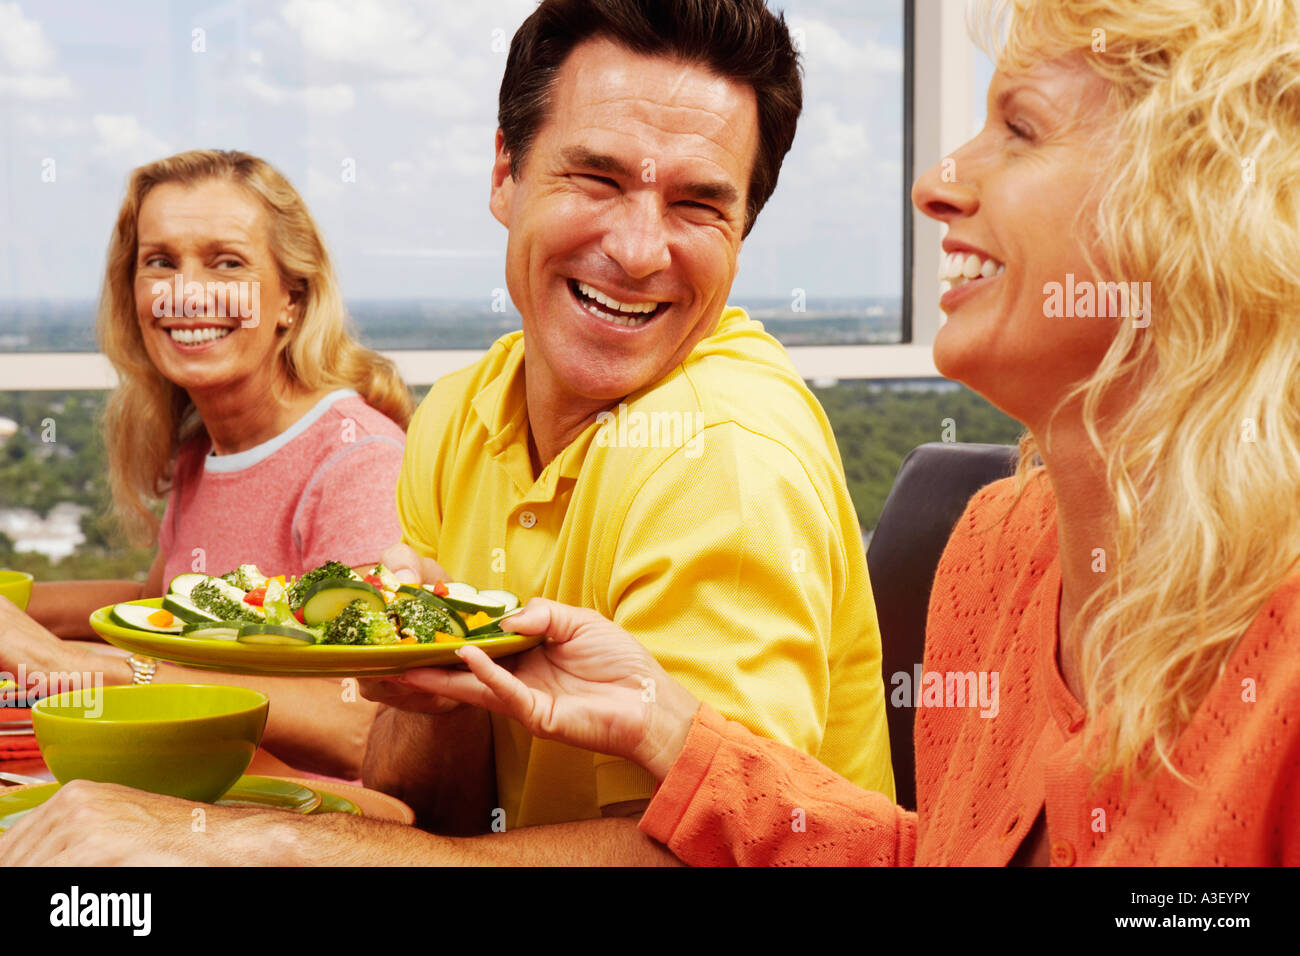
[[149, 417], [1200, 197]]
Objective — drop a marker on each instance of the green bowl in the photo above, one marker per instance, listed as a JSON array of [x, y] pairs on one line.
[[17, 587], [188, 740]]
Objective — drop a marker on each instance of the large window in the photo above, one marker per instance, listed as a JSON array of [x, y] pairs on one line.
[[382, 113]]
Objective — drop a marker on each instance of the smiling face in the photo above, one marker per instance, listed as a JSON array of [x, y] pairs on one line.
[[625, 221], [210, 234], [1013, 215]]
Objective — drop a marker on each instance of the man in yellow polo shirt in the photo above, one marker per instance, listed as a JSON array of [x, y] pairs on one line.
[[706, 514], [639, 449]]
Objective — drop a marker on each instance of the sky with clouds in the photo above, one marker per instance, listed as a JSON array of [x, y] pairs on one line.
[[406, 93]]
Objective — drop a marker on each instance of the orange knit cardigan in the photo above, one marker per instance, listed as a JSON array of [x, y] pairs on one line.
[[734, 797]]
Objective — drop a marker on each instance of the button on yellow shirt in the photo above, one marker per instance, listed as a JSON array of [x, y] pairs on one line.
[[706, 514]]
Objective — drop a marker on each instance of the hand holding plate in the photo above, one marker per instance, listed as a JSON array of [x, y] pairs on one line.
[[590, 685]]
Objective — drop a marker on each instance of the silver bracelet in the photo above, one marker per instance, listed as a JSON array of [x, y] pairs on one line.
[[142, 669]]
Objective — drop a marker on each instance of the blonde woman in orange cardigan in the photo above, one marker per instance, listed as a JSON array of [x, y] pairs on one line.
[[1135, 587]]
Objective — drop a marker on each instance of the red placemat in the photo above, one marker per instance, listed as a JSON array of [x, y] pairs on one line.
[[17, 746]]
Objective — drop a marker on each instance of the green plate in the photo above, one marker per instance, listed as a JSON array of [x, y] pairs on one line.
[[333, 803], [13, 806], [254, 791], [310, 660]]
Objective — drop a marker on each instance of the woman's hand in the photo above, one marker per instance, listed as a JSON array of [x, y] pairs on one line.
[[25, 643], [590, 685]]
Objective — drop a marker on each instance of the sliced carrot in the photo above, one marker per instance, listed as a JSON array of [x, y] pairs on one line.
[[161, 618], [441, 638], [408, 640]]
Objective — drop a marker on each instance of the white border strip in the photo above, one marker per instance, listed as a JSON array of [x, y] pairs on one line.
[[59, 371]]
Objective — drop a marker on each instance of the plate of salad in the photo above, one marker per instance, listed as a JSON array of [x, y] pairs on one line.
[[330, 621]]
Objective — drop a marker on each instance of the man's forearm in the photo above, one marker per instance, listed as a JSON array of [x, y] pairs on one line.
[[354, 842], [441, 765]]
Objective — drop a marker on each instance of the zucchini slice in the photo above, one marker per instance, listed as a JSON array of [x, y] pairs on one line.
[[455, 622], [183, 584], [504, 598], [327, 598], [220, 631], [137, 616], [274, 634], [468, 600], [187, 610]]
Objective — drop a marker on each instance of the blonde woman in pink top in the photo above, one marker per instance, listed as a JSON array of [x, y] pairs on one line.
[[273, 435]]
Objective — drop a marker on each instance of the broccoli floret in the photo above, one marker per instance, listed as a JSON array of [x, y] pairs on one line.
[[209, 597], [421, 620], [246, 577], [358, 623], [332, 569]]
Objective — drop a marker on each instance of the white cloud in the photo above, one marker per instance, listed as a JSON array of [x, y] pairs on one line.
[[372, 33], [837, 146], [122, 140], [334, 98], [32, 86], [23, 47], [826, 47], [440, 95], [44, 126], [460, 150], [27, 59]]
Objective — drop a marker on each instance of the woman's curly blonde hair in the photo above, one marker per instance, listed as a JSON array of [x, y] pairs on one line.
[[1200, 197], [149, 417]]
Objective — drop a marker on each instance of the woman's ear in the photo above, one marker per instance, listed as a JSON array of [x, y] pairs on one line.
[[292, 309]]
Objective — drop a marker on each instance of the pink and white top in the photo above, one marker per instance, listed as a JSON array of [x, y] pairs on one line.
[[322, 490]]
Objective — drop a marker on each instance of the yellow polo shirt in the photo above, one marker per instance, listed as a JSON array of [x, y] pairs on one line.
[[707, 515]]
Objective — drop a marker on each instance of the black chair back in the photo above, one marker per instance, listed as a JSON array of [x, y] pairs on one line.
[[933, 486]]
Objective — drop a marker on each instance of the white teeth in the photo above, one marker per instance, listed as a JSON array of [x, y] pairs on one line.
[[197, 336], [615, 319], [633, 307], [958, 268]]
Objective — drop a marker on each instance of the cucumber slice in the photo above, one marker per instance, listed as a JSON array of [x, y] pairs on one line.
[[468, 600], [137, 616], [187, 610], [183, 584], [327, 598], [504, 598], [455, 623], [274, 634], [221, 631]]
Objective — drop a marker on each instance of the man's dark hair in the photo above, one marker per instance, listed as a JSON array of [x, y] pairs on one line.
[[739, 39]]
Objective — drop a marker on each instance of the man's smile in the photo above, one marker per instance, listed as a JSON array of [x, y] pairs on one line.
[[629, 314]]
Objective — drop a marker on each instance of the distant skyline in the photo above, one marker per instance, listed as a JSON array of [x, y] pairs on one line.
[[404, 94]]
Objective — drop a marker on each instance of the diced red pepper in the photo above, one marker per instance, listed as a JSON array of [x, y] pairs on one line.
[[374, 580], [256, 597], [440, 589], [297, 612]]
